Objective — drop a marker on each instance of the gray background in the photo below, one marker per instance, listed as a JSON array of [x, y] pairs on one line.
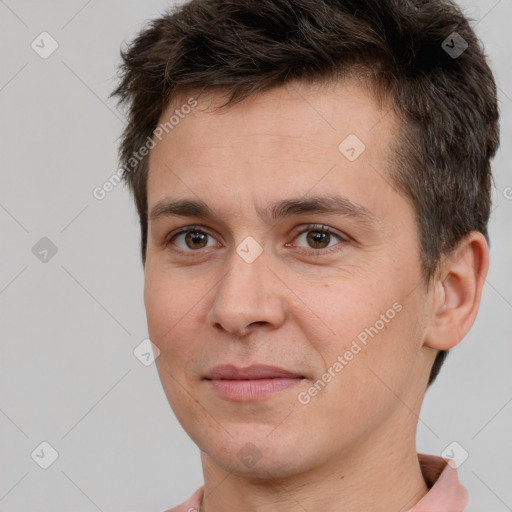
[[68, 328]]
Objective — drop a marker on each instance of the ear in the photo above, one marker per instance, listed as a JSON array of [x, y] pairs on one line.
[[457, 289]]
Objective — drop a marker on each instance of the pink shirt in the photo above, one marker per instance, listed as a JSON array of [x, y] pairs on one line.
[[446, 493]]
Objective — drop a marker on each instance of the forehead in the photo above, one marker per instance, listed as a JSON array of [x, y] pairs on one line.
[[319, 112], [288, 139]]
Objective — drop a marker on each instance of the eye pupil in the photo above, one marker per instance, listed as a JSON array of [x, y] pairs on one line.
[[318, 237], [195, 237]]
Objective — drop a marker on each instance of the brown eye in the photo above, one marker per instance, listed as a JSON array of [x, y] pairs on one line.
[[318, 239], [190, 239], [196, 239]]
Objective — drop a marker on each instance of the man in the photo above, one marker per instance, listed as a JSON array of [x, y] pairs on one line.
[[313, 184]]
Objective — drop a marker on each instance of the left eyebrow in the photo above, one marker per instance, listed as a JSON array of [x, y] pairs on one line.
[[272, 212], [331, 204]]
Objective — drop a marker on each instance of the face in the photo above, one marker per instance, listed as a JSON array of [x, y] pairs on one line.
[[300, 255]]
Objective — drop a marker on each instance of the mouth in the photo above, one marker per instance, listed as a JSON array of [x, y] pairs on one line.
[[252, 383]]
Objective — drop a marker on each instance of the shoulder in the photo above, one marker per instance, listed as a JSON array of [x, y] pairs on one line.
[[191, 505]]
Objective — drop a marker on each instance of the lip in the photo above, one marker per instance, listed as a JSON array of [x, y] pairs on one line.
[[252, 383], [253, 372]]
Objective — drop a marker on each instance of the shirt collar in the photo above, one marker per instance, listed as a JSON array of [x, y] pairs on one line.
[[446, 493]]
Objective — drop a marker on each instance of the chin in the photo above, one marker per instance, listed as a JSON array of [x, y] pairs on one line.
[[255, 456], [264, 468]]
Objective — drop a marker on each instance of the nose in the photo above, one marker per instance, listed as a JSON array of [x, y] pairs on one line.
[[248, 297]]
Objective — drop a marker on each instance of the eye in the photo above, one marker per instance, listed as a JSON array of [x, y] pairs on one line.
[[319, 237], [190, 238]]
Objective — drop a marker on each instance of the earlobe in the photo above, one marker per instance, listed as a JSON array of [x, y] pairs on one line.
[[457, 292]]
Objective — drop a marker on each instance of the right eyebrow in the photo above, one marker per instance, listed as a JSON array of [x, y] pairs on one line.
[[182, 208]]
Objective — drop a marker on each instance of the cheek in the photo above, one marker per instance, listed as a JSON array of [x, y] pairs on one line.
[[335, 314], [165, 297], [364, 324], [169, 311], [160, 308], [367, 366]]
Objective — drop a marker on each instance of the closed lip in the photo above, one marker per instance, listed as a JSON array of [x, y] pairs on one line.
[[254, 372]]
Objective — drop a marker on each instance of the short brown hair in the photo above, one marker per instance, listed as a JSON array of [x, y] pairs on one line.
[[447, 102]]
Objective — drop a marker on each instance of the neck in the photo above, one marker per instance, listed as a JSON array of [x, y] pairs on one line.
[[380, 475]]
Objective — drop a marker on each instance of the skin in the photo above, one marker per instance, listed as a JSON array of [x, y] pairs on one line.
[[296, 305]]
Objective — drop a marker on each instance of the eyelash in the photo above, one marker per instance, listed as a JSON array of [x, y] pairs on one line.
[[305, 229]]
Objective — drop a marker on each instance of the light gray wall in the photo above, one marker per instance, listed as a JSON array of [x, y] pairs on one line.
[[69, 325]]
